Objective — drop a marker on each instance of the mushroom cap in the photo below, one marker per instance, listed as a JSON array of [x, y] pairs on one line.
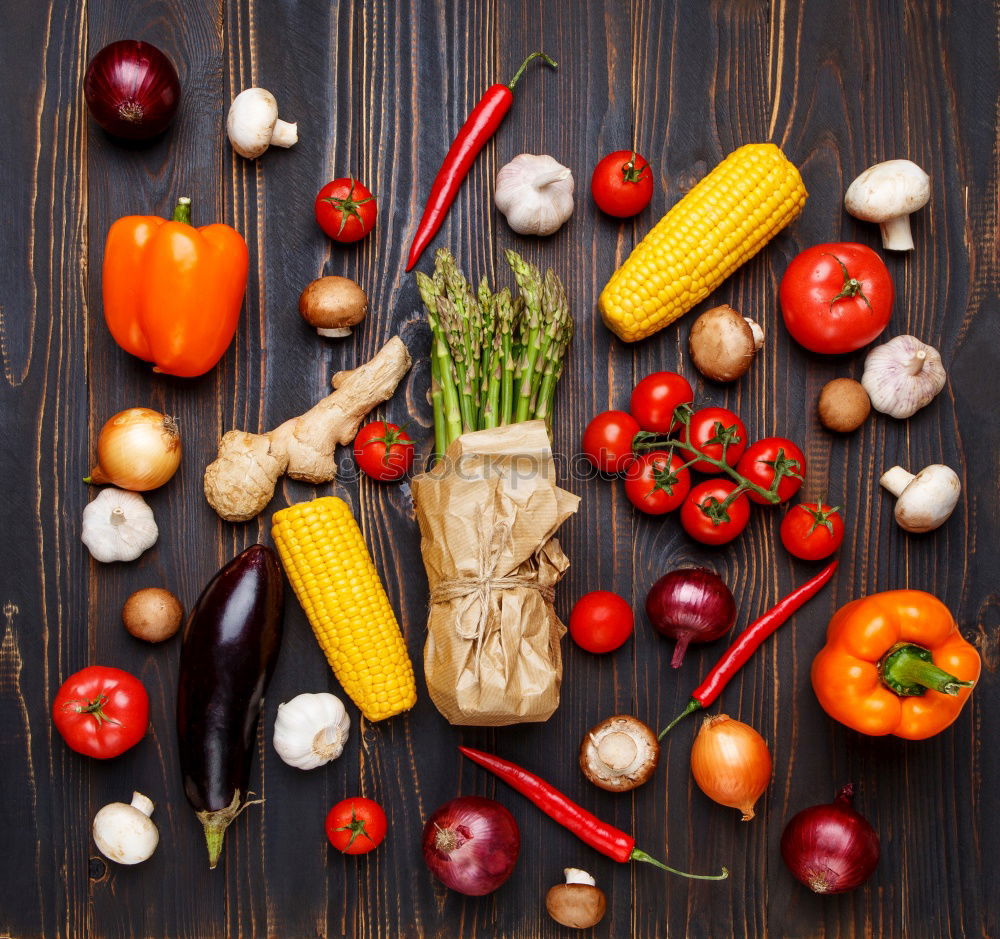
[[620, 753], [124, 833], [152, 614], [887, 190], [578, 906], [722, 344], [930, 498], [843, 405], [333, 303], [251, 120]]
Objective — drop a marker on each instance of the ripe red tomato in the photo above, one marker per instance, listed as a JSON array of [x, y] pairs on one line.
[[101, 711], [655, 399], [607, 441], [710, 430], [704, 518], [622, 184], [836, 298], [657, 482], [812, 530], [356, 826], [601, 621], [346, 210], [768, 457], [383, 450]]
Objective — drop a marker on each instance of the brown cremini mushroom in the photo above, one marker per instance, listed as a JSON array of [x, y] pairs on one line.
[[723, 343], [332, 305], [843, 405], [152, 614], [619, 753], [579, 903]]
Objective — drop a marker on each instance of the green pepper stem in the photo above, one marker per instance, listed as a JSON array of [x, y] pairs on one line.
[[693, 705], [524, 65], [909, 670], [638, 855], [182, 211]]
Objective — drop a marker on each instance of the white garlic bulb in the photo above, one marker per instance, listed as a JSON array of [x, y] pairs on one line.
[[118, 526], [902, 376], [311, 730], [535, 193]]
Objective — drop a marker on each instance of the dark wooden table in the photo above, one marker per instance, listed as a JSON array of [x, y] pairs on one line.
[[378, 89]]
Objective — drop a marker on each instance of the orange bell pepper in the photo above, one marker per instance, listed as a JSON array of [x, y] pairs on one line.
[[172, 292], [895, 663]]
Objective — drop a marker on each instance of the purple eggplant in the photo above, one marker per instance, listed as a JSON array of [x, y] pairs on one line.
[[228, 652]]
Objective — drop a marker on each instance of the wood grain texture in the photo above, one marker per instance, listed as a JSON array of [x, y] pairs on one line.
[[379, 88]]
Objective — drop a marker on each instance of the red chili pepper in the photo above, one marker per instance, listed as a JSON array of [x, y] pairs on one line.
[[613, 842], [480, 125], [748, 642]]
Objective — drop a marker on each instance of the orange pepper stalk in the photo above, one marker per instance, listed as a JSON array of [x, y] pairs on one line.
[[895, 663], [172, 292]]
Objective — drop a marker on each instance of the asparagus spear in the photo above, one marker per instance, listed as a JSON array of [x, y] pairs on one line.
[[443, 368], [529, 279]]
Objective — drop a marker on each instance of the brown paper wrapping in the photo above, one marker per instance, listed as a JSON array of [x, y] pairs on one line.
[[487, 514]]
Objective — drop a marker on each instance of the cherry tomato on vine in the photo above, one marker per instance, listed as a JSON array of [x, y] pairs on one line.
[[346, 210], [655, 399], [657, 482], [768, 457], [710, 428], [384, 451], [356, 826], [607, 441], [704, 518], [812, 531], [622, 184], [101, 711], [836, 298], [601, 621]]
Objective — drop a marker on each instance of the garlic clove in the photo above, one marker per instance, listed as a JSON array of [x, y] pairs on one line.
[[902, 376]]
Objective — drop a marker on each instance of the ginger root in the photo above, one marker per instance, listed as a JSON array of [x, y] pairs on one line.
[[240, 482]]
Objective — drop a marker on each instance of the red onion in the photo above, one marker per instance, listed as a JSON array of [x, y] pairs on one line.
[[132, 89], [691, 604], [471, 845], [831, 848]]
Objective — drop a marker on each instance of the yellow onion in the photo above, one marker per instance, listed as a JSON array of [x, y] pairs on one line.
[[731, 763], [138, 449]]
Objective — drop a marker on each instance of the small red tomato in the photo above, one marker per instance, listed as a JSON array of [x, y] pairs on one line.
[[384, 451], [622, 184], [607, 441], [706, 517], [655, 399], [346, 210], [836, 298], [768, 458], [356, 826], [101, 711], [812, 531], [712, 431], [657, 482], [601, 621]]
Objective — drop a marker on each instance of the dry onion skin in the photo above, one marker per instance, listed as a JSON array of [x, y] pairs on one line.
[[152, 614], [138, 449], [731, 763]]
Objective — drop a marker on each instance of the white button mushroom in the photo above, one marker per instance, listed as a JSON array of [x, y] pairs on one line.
[[125, 833], [925, 501], [253, 124], [887, 193]]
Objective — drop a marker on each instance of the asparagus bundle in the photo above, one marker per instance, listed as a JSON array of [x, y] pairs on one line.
[[495, 358]]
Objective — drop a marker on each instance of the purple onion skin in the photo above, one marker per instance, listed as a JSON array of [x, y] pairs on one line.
[[691, 604], [471, 845], [132, 89], [831, 848]]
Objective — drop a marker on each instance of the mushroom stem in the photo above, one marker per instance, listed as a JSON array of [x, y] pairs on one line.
[[916, 364], [334, 333], [896, 234], [143, 803], [896, 480], [618, 752], [284, 134]]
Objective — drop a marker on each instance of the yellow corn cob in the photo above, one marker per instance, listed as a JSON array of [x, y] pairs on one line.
[[331, 571], [721, 223]]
